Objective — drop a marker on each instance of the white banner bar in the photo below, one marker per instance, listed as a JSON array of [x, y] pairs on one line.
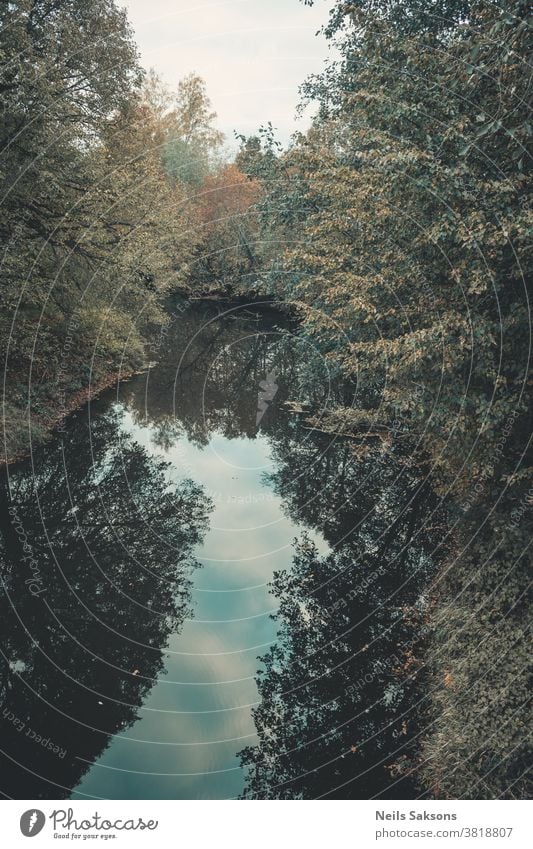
[[272, 825]]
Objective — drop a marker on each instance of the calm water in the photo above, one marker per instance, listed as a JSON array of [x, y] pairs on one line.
[[203, 597]]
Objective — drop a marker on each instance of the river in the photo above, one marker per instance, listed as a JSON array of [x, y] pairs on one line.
[[205, 597]]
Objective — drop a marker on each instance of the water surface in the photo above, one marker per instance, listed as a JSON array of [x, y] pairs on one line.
[[219, 591]]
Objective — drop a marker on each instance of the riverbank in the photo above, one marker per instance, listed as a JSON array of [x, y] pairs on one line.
[[51, 402], [476, 741], [31, 434]]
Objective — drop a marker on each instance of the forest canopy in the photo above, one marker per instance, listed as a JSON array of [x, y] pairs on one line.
[[103, 206]]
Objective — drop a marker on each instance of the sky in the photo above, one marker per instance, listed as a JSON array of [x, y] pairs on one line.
[[253, 54]]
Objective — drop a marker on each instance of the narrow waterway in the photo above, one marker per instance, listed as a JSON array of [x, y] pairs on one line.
[[166, 526]]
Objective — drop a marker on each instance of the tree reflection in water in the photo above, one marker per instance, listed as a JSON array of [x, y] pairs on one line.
[[339, 705], [112, 540], [339, 710], [210, 369]]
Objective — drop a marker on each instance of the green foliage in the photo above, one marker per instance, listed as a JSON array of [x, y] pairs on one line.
[[407, 236], [191, 140], [479, 659], [87, 222], [416, 251], [184, 163], [407, 16]]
